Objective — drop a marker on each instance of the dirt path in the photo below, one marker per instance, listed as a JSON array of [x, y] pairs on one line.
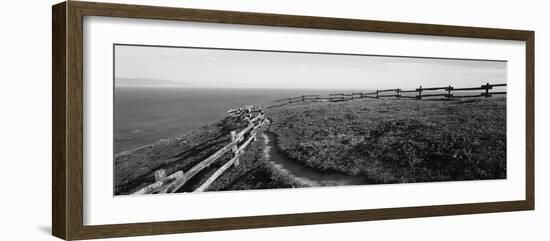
[[304, 175]]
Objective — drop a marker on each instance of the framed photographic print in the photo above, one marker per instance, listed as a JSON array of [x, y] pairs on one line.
[[171, 120]]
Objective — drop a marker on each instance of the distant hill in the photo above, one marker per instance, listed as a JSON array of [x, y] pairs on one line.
[[145, 82]]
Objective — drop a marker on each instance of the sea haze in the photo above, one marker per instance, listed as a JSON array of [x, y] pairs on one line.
[[144, 115]]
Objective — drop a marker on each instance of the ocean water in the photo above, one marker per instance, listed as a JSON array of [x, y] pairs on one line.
[[145, 115]]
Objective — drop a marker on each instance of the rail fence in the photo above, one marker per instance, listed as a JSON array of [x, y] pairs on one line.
[[418, 94], [255, 117]]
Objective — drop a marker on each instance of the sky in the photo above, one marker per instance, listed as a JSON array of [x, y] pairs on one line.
[[216, 68]]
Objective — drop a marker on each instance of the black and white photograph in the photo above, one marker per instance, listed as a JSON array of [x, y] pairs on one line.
[[192, 119]]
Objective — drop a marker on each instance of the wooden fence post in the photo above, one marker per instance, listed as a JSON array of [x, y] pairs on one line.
[[397, 90], [487, 90], [235, 148], [449, 92], [376, 94], [254, 131], [420, 93], [160, 174]]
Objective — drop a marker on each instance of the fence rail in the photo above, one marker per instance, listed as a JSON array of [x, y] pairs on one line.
[[398, 93], [238, 112], [239, 141]]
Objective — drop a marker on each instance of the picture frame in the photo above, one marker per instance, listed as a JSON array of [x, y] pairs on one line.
[[68, 117]]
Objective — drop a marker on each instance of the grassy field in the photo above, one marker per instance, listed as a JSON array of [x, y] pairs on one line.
[[383, 141], [390, 141]]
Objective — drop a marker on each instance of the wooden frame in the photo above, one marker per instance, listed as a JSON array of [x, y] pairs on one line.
[[67, 157]]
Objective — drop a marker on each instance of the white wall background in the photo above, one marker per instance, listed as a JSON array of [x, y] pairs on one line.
[[25, 123]]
